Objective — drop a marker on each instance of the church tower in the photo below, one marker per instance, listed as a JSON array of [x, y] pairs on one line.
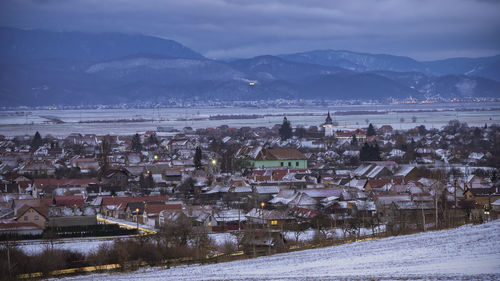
[[328, 125]]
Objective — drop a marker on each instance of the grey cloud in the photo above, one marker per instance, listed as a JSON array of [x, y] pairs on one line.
[[424, 29]]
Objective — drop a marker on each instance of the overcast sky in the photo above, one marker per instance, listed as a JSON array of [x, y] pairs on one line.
[[422, 29]]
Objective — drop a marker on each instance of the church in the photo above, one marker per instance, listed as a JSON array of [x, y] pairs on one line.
[[328, 126]]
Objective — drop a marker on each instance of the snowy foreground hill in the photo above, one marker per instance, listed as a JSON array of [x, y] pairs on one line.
[[465, 253]]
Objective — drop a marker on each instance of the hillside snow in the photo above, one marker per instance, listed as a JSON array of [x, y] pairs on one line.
[[466, 253]]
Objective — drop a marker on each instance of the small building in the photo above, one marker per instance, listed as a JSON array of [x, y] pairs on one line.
[[37, 215], [269, 218], [280, 157]]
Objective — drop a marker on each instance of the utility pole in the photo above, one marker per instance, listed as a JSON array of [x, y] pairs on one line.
[[423, 213], [8, 258], [455, 198], [436, 205]]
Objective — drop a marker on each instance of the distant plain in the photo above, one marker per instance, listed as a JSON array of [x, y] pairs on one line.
[[130, 121]]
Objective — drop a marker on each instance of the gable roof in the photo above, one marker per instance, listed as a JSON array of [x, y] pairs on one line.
[[68, 201], [42, 210], [321, 192], [281, 154], [155, 209], [403, 172], [267, 189]]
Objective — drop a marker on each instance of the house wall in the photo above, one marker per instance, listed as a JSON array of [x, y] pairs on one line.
[[302, 164], [33, 216], [151, 221], [484, 200]]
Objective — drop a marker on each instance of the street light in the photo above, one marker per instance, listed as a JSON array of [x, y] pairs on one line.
[[155, 157], [137, 218], [262, 204], [214, 162]]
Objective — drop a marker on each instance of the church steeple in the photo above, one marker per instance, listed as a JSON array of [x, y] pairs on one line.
[[328, 125], [328, 119]]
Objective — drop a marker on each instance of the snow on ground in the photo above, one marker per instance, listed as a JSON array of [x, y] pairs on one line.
[[308, 234], [466, 253], [12, 123], [87, 245], [82, 245], [221, 238]]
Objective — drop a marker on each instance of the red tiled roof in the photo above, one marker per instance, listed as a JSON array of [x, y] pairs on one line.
[[155, 209], [304, 213], [18, 225], [67, 201], [378, 183], [281, 154], [110, 200], [42, 210], [64, 182]]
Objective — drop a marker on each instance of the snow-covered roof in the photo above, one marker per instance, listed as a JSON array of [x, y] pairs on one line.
[[365, 205], [284, 196], [359, 184], [385, 200], [267, 189], [268, 214], [362, 170], [403, 172], [242, 189], [375, 172], [496, 202], [230, 215]]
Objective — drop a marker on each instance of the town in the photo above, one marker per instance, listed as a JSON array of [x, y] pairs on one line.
[[167, 195]]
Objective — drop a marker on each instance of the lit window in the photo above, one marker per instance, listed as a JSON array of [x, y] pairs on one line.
[[274, 222]]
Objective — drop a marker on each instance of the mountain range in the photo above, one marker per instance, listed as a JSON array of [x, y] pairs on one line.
[[40, 67]]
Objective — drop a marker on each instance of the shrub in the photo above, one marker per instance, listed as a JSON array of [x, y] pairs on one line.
[[227, 247]]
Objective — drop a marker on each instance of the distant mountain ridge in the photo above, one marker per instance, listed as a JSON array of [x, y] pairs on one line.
[[45, 68], [40, 44], [488, 67]]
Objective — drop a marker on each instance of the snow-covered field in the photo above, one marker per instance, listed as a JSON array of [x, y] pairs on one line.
[[466, 253], [82, 245], [87, 245], [399, 116]]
